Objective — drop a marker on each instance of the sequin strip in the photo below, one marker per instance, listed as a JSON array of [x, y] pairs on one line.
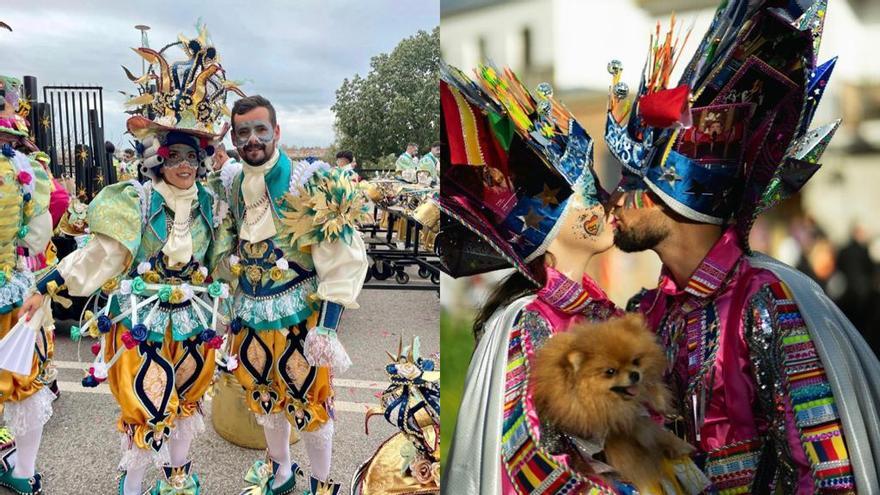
[[811, 399], [530, 469], [732, 468]]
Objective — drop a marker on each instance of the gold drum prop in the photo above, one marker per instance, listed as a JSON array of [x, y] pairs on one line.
[[233, 420]]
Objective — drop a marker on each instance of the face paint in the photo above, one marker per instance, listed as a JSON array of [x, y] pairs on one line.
[[253, 132], [181, 154], [638, 200], [590, 224]]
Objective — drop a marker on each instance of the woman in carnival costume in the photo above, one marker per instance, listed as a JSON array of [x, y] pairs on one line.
[[25, 398], [153, 248], [519, 191]]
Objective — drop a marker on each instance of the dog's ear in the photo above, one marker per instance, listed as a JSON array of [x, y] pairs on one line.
[[575, 360]]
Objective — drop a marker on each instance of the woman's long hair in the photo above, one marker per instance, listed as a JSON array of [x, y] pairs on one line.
[[513, 287]]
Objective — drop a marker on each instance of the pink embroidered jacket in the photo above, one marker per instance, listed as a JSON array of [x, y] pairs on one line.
[[753, 393], [535, 459]]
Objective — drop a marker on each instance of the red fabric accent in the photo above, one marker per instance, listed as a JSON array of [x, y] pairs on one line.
[[664, 108], [452, 119]]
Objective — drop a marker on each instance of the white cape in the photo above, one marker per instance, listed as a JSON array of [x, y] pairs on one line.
[[852, 368], [473, 464]]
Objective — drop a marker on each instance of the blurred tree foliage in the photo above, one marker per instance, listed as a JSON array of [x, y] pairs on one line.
[[396, 103]]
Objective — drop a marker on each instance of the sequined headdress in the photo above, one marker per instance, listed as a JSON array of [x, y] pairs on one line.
[[732, 139], [186, 97], [512, 161]]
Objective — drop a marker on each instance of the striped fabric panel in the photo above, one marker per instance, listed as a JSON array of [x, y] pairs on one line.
[[706, 279], [530, 470], [732, 468], [812, 399]]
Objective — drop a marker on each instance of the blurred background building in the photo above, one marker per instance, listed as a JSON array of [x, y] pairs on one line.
[[829, 231]]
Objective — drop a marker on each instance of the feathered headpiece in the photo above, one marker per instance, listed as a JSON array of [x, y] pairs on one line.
[[180, 98], [731, 140]]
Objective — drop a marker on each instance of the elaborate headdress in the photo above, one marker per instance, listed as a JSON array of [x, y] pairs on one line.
[[412, 404], [731, 140], [512, 163], [180, 102]]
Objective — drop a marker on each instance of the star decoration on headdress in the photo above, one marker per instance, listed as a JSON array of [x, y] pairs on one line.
[[670, 175], [532, 219], [45, 122], [81, 192], [100, 180], [548, 196], [83, 154]]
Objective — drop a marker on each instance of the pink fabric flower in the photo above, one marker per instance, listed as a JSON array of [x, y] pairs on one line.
[[164, 152], [96, 348], [24, 177], [214, 343], [128, 340], [422, 471]]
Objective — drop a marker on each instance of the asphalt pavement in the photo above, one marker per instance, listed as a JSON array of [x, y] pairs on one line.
[[80, 448]]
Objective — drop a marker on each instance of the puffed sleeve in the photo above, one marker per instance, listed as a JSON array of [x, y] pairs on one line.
[[115, 221], [116, 213], [323, 216], [85, 270]]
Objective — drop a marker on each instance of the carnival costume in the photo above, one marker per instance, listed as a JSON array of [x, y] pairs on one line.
[[406, 162], [152, 251], [429, 163], [515, 163], [412, 404], [775, 388], [25, 349], [300, 262]]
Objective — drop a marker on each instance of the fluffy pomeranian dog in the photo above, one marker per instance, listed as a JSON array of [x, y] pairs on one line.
[[598, 381]]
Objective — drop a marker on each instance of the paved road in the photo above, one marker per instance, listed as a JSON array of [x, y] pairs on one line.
[[80, 449]]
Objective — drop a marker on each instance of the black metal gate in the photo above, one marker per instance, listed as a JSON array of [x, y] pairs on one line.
[[71, 121]]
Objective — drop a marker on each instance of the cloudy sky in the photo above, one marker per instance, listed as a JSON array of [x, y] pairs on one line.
[[296, 53]]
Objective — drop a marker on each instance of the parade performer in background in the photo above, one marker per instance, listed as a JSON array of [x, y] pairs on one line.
[[431, 161], [547, 222], [407, 160], [300, 262], [775, 388], [153, 250], [24, 397]]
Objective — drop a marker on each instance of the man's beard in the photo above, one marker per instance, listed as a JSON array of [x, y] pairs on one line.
[[633, 240], [244, 153]]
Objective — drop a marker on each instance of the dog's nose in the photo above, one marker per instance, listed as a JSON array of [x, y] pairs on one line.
[[635, 376]]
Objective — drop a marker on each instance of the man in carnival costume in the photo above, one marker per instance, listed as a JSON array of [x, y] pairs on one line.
[[153, 248], [299, 262], [775, 388], [24, 397]]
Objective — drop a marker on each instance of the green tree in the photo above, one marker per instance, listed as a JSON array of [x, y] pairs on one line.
[[397, 102]]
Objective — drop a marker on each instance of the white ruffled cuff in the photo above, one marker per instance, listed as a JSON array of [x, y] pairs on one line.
[[322, 348]]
